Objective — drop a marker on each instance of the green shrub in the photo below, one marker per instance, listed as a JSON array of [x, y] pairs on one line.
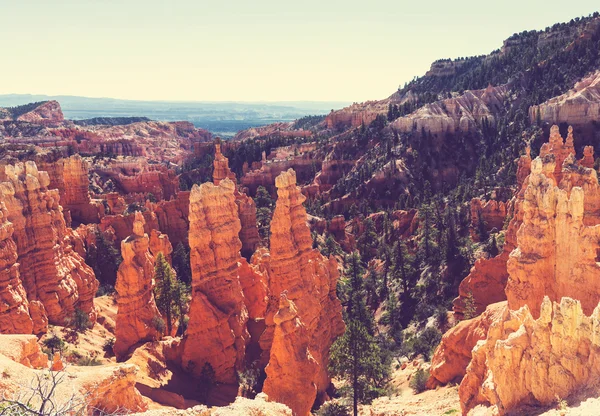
[[334, 408], [54, 344], [88, 361], [80, 321], [423, 344], [158, 323], [418, 381], [108, 345]]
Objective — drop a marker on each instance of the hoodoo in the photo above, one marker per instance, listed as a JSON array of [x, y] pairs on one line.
[[138, 317]]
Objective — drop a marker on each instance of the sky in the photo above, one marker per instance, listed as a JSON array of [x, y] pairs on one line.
[[250, 50]]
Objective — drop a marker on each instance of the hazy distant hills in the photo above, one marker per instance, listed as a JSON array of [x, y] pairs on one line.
[[220, 117]]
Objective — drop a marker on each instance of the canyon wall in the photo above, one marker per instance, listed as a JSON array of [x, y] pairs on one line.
[[578, 106], [14, 307], [51, 271]]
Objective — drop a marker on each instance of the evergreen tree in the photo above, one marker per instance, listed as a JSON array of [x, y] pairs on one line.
[[105, 259], [264, 211], [181, 263], [356, 356], [169, 292], [405, 275], [368, 240]]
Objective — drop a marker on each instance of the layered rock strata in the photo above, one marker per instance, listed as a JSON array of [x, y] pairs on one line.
[[55, 277], [532, 361], [217, 332], [292, 369], [308, 279], [14, 307], [246, 206], [137, 316]]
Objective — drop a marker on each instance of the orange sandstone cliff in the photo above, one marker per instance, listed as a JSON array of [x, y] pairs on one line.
[[55, 277]]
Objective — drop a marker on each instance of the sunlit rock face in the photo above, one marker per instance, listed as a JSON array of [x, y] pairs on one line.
[[137, 312], [308, 280], [55, 277], [532, 361], [578, 106], [14, 307], [217, 331]]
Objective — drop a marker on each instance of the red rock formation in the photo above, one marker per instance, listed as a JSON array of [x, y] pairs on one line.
[[70, 177], [307, 277], [249, 232], [254, 283], [292, 369], [51, 271], [487, 215], [137, 311], [523, 167], [451, 358], [221, 166], [159, 243], [265, 174], [14, 307], [246, 206], [217, 331], [536, 349], [122, 225]]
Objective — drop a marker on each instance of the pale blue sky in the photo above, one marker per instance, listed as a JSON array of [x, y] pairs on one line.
[[249, 50]]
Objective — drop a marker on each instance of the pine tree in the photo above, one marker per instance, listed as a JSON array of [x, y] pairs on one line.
[[356, 356], [169, 292], [181, 263], [264, 211]]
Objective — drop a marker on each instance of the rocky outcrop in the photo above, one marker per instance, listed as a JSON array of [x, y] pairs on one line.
[[159, 243], [292, 369], [486, 216], [308, 279], [137, 315], [217, 332], [23, 349], [52, 273], [221, 166], [465, 113], [45, 112], [555, 246], [70, 177], [350, 117], [451, 358], [14, 307], [114, 391], [246, 206], [172, 217], [532, 361], [578, 106]]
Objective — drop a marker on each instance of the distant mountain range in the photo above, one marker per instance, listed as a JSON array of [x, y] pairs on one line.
[[224, 118]]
